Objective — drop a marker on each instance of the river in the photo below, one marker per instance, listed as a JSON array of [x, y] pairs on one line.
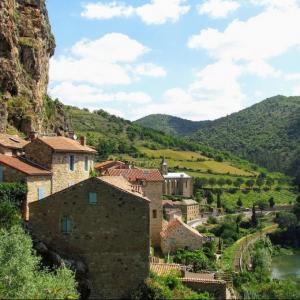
[[284, 266]]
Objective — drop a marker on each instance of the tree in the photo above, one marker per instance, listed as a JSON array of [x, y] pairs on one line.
[[260, 181], [228, 181], [254, 220], [238, 221], [219, 203], [209, 197], [212, 181], [250, 183], [239, 202], [262, 204], [269, 182], [238, 182], [286, 220], [271, 202], [21, 276], [221, 182]]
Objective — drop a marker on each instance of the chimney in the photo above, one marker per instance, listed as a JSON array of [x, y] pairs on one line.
[[83, 140], [33, 135], [71, 135]]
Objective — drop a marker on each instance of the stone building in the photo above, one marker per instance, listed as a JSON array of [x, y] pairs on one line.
[[190, 209], [103, 167], [38, 179], [69, 161], [170, 211], [104, 223], [150, 182], [178, 235], [179, 184], [11, 144]]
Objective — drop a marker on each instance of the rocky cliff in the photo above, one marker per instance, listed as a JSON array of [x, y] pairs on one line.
[[26, 45]]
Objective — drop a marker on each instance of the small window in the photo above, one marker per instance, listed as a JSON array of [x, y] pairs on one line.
[[92, 198], [154, 213], [72, 163], [41, 193], [1, 174], [86, 163], [66, 225]]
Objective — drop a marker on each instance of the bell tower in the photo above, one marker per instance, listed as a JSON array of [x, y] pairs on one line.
[[164, 167]]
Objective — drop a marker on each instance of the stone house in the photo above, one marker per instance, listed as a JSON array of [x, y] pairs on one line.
[[104, 166], [11, 145], [150, 182], [190, 209], [177, 183], [170, 211], [104, 223], [69, 161], [38, 179], [178, 235]]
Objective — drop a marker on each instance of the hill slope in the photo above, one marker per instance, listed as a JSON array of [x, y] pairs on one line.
[[267, 133], [171, 125]]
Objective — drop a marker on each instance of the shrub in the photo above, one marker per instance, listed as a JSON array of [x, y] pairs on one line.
[[13, 192]]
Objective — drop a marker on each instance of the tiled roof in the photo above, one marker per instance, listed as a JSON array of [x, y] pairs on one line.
[[200, 280], [108, 164], [64, 144], [137, 174], [175, 224], [164, 269], [23, 166], [12, 141], [122, 184]]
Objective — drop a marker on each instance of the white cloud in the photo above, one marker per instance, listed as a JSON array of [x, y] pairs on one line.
[[264, 36], [155, 12], [292, 76], [91, 97], [106, 11], [282, 4], [218, 8], [261, 69], [149, 69], [103, 61], [296, 91]]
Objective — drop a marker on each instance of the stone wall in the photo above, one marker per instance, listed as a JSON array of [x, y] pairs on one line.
[[62, 176], [110, 237], [189, 212], [12, 175], [216, 287], [153, 190], [181, 237], [178, 186]]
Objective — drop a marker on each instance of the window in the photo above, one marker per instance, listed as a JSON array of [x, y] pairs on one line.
[[86, 163], [71, 163], [41, 193], [66, 225], [1, 174], [92, 198], [154, 213]]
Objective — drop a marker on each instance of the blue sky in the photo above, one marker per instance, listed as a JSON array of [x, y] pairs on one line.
[[190, 58]]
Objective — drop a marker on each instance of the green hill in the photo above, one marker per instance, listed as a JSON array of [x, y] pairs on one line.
[[267, 133], [171, 125]]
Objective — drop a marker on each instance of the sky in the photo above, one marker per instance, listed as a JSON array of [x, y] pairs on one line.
[[198, 60]]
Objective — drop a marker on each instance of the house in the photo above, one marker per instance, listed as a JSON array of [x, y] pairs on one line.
[[103, 222], [189, 208], [179, 184], [69, 161], [11, 145], [103, 167], [178, 235], [38, 179], [150, 182], [170, 211]]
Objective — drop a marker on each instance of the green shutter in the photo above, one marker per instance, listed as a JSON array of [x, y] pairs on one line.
[[92, 198]]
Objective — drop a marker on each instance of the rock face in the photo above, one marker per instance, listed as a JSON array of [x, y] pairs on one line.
[[26, 45]]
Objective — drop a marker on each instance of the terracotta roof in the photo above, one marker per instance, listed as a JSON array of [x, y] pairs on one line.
[[64, 144], [137, 174], [12, 141], [122, 184], [177, 223], [185, 279], [108, 164], [164, 269], [23, 166]]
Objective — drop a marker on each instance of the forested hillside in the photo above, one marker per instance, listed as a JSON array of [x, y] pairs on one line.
[[267, 133], [171, 125]]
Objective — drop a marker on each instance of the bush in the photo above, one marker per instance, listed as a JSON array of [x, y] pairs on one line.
[[212, 220], [13, 192]]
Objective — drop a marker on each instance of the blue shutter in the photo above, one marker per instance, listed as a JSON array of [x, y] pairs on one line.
[[72, 163], [86, 163], [68, 225], [92, 198], [41, 193], [1, 174]]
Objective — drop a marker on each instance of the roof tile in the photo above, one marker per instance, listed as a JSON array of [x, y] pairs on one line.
[[12, 141], [137, 174]]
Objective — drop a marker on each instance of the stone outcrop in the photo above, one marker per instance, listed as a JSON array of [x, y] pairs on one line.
[[26, 45]]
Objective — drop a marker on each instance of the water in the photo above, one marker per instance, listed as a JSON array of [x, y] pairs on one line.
[[286, 266]]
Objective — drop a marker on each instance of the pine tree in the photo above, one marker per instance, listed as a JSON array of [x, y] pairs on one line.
[[254, 220]]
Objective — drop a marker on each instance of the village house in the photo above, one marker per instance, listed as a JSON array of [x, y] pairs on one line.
[[178, 235], [69, 161], [150, 182], [103, 167], [179, 184], [189, 208], [170, 211], [103, 222]]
